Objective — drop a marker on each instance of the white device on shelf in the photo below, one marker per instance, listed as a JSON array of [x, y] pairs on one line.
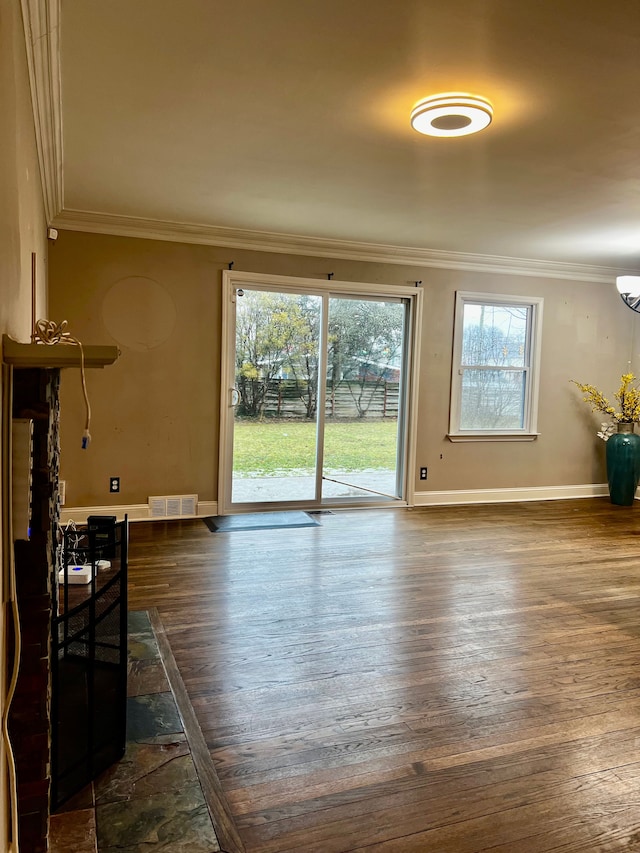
[[81, 573], [76, 574]]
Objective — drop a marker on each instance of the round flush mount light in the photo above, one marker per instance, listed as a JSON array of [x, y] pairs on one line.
[[629, 284], [451, 114], [629, 289]]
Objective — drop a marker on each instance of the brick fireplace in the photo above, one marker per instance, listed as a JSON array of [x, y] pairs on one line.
[[35, 397], [33, 379]]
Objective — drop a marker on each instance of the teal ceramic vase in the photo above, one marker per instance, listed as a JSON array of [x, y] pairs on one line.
[[623, 465]]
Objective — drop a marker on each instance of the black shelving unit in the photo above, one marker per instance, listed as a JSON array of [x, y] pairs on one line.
[[89, 659]]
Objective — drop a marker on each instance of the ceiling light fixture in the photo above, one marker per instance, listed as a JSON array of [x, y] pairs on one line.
[[629, 289], [451, 114]]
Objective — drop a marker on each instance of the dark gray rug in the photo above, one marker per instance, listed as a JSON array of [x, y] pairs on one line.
[[259, 521]]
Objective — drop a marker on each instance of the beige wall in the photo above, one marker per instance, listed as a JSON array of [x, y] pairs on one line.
[[22, 224], [22, 231], [156, 411]]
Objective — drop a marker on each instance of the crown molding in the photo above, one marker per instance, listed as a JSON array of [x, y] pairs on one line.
[[291, 244], [41, 23]]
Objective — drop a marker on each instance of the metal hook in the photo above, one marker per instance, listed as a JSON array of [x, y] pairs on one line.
[[330, 275], [231, 263]]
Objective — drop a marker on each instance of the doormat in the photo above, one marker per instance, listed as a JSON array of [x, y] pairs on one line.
[[259, 521]]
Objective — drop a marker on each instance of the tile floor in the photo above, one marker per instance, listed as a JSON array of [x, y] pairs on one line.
[[151, 800]]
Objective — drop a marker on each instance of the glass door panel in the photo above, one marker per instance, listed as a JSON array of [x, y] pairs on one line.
[[275, 430], [364, 392]]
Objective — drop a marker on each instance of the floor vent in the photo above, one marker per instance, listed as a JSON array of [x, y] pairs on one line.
[[173, 506]]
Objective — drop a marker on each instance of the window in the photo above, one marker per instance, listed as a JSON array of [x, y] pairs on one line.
[[494, 385]]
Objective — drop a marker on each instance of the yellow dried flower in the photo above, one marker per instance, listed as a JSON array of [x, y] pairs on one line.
[[627, 395]]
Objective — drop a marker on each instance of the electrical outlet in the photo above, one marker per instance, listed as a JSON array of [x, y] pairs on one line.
[[423, 473], [114, 484]]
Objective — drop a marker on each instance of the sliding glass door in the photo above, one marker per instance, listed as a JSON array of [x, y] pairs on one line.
[[315, 395]]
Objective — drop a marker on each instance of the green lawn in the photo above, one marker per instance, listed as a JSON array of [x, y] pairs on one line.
[[273, 448]]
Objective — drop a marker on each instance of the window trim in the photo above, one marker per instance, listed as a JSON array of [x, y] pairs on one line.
[[529, 431]]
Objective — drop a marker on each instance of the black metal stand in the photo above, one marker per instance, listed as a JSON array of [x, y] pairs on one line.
[[89, 659]]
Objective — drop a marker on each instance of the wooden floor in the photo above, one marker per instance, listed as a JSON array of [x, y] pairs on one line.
[[450, 680]]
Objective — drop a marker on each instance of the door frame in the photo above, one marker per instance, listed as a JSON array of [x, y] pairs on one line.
[[234, 279]]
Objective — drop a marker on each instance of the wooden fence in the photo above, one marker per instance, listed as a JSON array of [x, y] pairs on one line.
[[286, 399]]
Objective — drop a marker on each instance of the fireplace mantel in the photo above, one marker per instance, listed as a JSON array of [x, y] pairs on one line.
[[55, 355]]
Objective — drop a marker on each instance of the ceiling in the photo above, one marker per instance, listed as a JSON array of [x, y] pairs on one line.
[[291, 117]]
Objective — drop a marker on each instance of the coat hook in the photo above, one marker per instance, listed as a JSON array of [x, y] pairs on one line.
[[330, 275], [231, 263]]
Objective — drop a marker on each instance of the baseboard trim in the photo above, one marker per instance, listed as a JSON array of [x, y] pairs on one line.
[[531, 493], [140, 512], [134, 512]]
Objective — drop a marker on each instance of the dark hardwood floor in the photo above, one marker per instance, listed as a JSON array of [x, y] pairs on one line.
[[450, 680]]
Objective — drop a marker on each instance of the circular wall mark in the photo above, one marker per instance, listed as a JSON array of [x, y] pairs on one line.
[[139, 313]]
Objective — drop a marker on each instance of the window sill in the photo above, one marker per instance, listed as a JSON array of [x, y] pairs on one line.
[[493, 436]]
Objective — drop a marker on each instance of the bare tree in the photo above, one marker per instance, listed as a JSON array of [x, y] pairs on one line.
[[365, 345], [276, 333], [493, 352]]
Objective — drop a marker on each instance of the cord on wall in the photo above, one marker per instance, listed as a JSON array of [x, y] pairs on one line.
[[50, 333], [17, 649], [9, 595]]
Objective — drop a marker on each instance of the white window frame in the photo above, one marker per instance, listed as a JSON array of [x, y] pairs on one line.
[[232, 279], [531, 367]]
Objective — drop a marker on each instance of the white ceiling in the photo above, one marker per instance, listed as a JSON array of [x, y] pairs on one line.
[[292, 116]]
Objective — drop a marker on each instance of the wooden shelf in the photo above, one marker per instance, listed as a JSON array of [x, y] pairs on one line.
[[57, 355]]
